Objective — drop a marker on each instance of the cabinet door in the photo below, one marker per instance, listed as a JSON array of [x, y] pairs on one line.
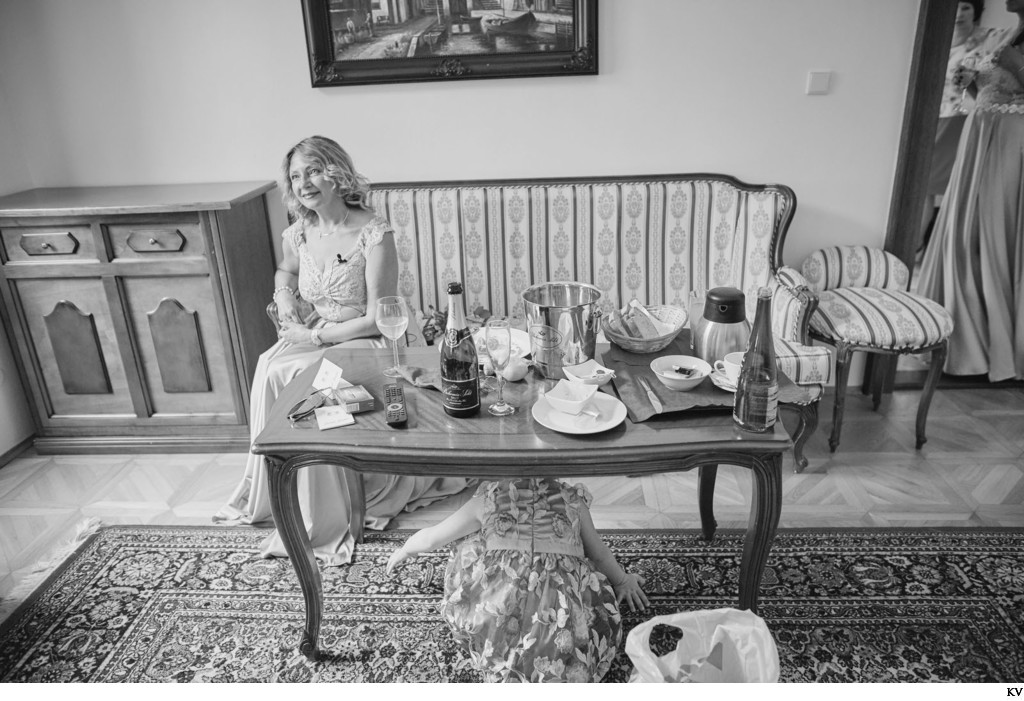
[[180, 338], [73, 343]]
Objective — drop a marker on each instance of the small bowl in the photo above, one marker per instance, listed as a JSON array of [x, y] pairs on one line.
[[589, 373], [663, 370], [570, 397]]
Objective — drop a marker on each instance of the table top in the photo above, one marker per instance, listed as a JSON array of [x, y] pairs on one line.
[[513, 446]]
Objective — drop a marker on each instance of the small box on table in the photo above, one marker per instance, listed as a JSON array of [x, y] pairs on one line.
[[355, 398]]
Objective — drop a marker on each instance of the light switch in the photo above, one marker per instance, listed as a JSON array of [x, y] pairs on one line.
[[818, 82]]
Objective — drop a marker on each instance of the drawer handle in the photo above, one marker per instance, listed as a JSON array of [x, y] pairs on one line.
[[152, 241], [46, 245], [161, 241]]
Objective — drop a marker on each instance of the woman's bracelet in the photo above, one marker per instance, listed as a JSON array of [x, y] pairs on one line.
[[314, 337], [284, 288]]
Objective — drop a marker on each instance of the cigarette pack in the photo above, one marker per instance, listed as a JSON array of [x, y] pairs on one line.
[[354, 398]]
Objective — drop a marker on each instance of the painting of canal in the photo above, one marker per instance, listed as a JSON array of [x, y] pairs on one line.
[[368, 30]]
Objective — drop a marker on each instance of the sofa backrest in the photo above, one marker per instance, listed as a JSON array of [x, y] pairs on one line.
[[650, 237]]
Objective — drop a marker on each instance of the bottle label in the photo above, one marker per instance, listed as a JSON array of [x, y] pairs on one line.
[[757, 408], [461, 394]]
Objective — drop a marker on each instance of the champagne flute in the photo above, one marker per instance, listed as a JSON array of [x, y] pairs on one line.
[[392, 320], [499, 348]]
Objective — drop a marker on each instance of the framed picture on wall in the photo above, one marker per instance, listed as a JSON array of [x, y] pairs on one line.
[[360, 42]]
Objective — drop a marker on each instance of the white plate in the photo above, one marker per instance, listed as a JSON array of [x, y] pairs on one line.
[[520, 343], [611, 413], [722, 382]]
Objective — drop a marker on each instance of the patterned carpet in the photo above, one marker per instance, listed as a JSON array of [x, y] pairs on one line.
[[138, 604]]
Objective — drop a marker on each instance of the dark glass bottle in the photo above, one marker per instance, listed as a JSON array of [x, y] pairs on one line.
[[460, 371], [757, 392]]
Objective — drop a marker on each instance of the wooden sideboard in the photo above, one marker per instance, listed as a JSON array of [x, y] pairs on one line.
[[137, 314]]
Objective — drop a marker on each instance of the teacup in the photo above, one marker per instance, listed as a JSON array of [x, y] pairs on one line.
[[730, 366]]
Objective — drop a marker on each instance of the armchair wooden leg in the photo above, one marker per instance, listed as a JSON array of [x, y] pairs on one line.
[[843, 355], [807, 424], [934, 372]]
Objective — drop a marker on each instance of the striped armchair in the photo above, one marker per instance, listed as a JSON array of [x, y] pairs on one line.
[[653, 237], [863, 305]]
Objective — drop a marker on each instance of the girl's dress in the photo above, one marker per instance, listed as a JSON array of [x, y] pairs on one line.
[[322, 493], [974, 263], [522, 596]]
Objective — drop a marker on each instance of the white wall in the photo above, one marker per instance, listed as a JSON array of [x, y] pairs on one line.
[[149, 91]]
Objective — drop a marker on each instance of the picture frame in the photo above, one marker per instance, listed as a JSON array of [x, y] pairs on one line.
[[363, 42]]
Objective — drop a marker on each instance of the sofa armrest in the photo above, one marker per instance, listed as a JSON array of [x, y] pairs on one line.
[[793, 303]]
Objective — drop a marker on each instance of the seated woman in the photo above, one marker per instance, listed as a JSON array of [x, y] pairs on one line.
[[342, 258]]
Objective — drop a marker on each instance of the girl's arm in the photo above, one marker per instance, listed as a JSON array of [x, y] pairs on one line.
[[463, 522], [287, 276], [626, 585]]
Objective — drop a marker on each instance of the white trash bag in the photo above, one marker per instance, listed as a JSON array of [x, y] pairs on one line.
[[721, 645]]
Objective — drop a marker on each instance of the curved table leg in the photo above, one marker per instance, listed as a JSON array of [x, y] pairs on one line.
[[284, 504], [806, 426], [765, 510], [706, 476]]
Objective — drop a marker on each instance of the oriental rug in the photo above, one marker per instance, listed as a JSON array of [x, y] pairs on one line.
[[182, 604]]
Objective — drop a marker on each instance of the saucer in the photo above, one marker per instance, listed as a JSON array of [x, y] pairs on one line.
[[611, 413], [722, 382]]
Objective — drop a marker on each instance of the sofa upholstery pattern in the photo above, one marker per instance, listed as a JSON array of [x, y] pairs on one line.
[[654, 238]]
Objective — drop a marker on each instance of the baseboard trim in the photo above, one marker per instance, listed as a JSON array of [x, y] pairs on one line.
[[89, 445], [17, 450]]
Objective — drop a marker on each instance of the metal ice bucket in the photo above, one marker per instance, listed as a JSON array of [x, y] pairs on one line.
[[562, 319]]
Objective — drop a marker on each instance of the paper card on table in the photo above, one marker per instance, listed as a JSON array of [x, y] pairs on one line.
[[328, 377], [332, 417]]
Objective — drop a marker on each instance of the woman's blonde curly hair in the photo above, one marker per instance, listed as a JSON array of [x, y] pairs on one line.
[[338, 170]]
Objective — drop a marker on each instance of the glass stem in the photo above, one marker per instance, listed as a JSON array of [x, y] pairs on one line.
[[396, 353], [501, 390]]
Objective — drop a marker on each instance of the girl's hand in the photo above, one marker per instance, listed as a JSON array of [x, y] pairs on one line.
[[295, 333], [397, 558], [629, 589]]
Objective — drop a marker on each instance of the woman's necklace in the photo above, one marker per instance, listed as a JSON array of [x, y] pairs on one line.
[[324, 232]]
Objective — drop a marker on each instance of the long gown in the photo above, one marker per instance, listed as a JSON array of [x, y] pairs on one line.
[[521, 596], [322, 494], [974, 263]]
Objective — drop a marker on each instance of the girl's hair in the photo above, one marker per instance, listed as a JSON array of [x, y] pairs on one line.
[[979, 7], [338, 170]]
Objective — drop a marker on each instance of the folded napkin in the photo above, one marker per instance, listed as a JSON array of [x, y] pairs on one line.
[[628, 366], [421, 377]]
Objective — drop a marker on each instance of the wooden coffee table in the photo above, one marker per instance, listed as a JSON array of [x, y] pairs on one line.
[[434, 444]]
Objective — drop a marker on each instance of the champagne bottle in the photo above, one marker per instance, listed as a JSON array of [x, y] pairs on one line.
[[460, 371], [757, 391]]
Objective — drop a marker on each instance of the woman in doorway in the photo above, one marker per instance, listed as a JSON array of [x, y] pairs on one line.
[[974, 263], [339, 257], [956, 103]]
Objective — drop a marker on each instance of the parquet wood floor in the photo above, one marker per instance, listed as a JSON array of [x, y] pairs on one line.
[[970, 473]]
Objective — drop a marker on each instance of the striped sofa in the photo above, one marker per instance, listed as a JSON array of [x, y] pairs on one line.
[[652, 237]]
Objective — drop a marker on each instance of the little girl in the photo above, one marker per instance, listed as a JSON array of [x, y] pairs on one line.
[[522, 594]]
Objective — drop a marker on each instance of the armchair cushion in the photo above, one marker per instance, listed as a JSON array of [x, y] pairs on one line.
[[880, 318], [795, 356]]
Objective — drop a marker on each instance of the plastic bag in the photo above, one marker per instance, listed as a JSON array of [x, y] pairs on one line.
[[720, 645]]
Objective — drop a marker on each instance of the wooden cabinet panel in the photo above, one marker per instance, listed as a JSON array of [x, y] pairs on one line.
[[41, 300], [137, 313], [180, 341]]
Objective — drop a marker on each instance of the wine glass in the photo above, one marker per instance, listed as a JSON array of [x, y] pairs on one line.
[[392, 320], [499, 348]]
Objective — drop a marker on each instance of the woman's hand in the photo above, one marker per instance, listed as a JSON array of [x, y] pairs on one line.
[[295, 333], [287, 308], [397, 558], [629, 589], [963, 77]]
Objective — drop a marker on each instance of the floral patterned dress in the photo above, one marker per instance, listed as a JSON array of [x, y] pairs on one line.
[[522, 596]]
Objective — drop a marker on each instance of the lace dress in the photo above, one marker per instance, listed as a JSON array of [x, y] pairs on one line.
[[520, 594], [974, 263], [322, 492]]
